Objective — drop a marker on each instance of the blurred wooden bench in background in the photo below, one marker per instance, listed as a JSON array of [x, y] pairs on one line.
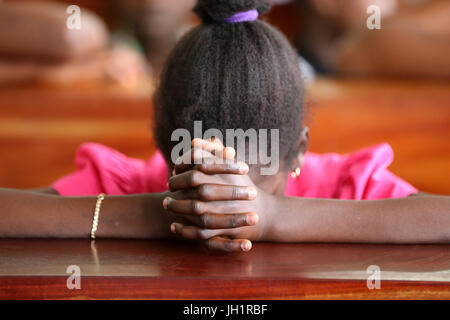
[[40, 129]]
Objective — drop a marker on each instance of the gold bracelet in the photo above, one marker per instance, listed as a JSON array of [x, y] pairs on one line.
[[98, 205]]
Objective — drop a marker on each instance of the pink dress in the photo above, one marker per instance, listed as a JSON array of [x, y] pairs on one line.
[[362, 175]]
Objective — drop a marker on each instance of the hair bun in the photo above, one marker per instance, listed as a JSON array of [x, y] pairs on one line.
[[210, 10]]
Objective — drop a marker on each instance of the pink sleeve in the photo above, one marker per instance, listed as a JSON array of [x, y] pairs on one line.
[[103, 170], [362, 175], [365, 176]]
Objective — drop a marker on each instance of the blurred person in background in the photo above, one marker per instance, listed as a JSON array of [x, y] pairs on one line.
[[36, 45], [414, 39], [158, 24]]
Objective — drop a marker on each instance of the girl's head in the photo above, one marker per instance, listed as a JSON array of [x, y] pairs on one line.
[[234, 75]]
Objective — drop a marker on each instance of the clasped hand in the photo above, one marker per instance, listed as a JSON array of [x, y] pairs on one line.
[[217, 196]]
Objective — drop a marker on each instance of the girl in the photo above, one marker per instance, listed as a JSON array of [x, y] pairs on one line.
[[233, 71]]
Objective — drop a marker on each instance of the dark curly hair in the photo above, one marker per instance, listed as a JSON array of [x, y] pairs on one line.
[[242, 75]]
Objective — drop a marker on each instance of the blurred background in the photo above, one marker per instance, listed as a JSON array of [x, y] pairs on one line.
[[60, 87]]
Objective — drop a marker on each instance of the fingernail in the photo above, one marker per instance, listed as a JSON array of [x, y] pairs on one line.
[[167, 201], [252, 219], [243, 168], [229, 152], [246, 246], [252, 193], [173, 228]]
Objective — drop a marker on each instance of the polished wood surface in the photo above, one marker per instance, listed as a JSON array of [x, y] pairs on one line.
[[40, 129], [36, 269]]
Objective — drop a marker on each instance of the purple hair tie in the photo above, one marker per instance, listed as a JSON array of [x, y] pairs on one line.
[[245, 16]]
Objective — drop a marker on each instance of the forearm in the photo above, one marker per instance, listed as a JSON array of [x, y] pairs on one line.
[[407, 220], [31, 214]]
